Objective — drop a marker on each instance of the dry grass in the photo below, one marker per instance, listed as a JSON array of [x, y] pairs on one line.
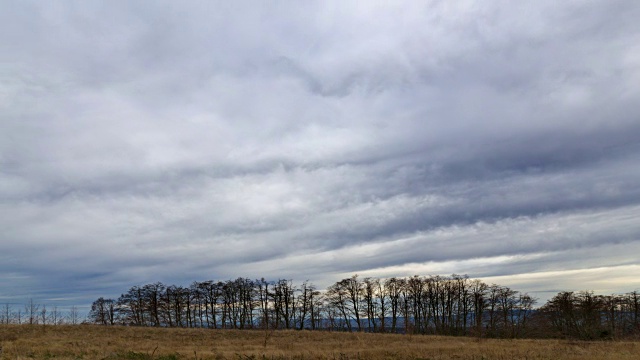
[[95, 342]]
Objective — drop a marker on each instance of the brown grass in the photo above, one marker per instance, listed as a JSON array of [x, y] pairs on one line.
[[111, 343]]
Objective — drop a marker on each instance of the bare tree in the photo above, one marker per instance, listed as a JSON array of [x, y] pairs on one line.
[[283, 296], [383, 304], [7, 314], [31, 312], [632, 308], [54, 316], [304, 304], [464, 303], [371, 287], [103, 311], [133, 307], [318, 308], [355, 291], [478, 294], [74, 315], [493, 306], [337, 296], [43, 315], [414, 309], [153, 293], [393, 288], [264, 302]]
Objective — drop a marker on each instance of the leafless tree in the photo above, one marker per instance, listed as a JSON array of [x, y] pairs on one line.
[[43, 315], [337, 297], [283, 298], [371, 287], [31, 312], [103, 312], [305, 304], [478, 294], [383, 303], [393, 288], [73, 316], [7, 314], [55, 317]]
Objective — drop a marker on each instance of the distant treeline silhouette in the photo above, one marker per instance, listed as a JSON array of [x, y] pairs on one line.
[[440, 305]]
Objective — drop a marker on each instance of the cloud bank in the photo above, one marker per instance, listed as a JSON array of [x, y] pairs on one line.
[[186, 141]]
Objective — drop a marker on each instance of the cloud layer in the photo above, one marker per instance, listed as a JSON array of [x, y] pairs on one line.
[[185, 141]]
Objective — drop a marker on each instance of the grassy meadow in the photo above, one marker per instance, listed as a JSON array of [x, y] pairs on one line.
[[98, 342]]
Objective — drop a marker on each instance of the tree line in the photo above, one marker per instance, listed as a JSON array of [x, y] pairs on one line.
[[585, 315], [34, 314], [441, 305]]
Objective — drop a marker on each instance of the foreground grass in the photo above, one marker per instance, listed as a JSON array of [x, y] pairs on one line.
[[112, 343]]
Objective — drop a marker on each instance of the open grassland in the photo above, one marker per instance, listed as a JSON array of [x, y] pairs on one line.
[[96, 342]]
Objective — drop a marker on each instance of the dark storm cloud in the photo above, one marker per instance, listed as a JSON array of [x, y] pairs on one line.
[[179, 142]]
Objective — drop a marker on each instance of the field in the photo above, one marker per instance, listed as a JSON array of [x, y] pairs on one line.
[[95, 342]]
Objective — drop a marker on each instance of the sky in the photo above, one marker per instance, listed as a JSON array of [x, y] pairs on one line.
[[182, 141]]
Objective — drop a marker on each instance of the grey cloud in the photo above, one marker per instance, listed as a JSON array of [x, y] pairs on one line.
[[177, 142]]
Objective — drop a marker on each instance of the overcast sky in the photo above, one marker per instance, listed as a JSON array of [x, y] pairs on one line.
[[178, 141]]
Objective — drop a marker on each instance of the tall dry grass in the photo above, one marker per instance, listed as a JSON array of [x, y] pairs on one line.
[[96, 342]]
